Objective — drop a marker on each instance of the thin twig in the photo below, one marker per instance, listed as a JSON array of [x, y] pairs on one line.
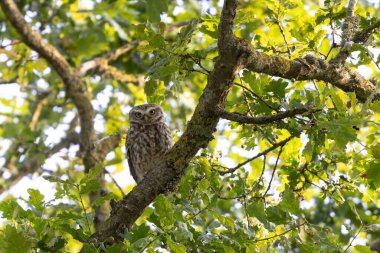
[[245, 96], [196, 70], [274, 170], [241, 196], [316, 87], [95, 62], [149, 243], [256, 96], [198, 62], [362, 36], [374, 61], [199, 212], [283, 36], [305, 167], [38, 108], [261, 120], [262, 172], [115, 182], [353, 239], [83, 208], [276, 145], [277, 235], [14, 42]]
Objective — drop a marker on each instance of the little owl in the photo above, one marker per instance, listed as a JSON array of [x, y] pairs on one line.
[[148, 138]]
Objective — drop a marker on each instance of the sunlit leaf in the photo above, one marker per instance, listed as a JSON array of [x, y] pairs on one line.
[[36, 199], [13, 241]]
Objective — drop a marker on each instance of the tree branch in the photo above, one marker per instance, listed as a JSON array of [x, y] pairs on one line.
[[75, 90], [10, 81], [363, 36], [280, 234], [234, 54], [38, 108], [260, 99], [273, 172], [95, 63], [263, 119], [196, 136], [311, 68], [274, 146], [112, 72], [349, 29], [107, 144]]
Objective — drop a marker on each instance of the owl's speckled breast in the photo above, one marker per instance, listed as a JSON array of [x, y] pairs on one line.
[[145, 145]]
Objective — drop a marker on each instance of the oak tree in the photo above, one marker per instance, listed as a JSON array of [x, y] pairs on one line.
[[274, 108]]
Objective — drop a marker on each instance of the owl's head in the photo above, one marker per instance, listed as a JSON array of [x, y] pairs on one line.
[[147, 114]]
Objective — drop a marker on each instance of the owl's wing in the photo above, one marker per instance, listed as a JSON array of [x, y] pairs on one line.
[[130, 164], [131, 168]]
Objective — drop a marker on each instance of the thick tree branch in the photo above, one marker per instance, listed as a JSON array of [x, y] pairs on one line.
[[310, 68], [197, 135], [263, 119], [234, 54], [349, 29], [348, 26]]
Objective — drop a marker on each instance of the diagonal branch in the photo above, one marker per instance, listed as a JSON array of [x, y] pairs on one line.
[[38, 108], [274, 146], [263, 119], [107, 144], [112, 72], [273, 172], [234, 54], [363, 36], [95, 63], [10, 81], [260, 99], [280, 234], [196, 136]]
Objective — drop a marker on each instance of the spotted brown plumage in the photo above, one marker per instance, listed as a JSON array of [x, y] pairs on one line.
[[148, 138]]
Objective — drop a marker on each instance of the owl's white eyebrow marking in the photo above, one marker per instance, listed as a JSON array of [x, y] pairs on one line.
[[140, 111]]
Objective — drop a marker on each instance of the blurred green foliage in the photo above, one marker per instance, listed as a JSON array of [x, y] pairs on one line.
[[317, 193]]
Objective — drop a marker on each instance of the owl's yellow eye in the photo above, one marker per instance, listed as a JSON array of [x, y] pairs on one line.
[[138, 114], [152, 112]]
